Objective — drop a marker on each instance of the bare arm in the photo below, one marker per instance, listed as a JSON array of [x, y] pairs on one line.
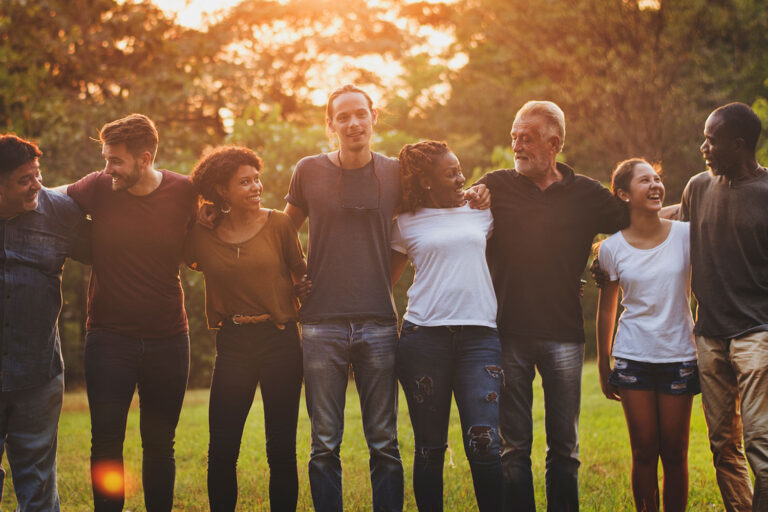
[[607, 302], [670, 212], [296, 214], [397, 265]]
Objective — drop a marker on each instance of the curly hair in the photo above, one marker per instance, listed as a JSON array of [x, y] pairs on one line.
[[217, 167], [15, 152], [417, 161]]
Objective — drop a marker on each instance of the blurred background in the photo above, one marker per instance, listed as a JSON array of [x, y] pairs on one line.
[[634, 77]]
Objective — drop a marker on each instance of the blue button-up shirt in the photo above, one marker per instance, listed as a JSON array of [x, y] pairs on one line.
[[34, 248]]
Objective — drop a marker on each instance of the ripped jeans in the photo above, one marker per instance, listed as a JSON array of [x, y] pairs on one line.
[[432, 364]]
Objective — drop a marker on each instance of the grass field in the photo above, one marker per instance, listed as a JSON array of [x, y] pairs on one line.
[[604, 477]]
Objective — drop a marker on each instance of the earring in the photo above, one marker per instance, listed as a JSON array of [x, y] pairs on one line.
[[429, 188], [626, 200], [225, 208]]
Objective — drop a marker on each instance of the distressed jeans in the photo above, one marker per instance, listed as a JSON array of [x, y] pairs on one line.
[[560, 365], [115, 366], [247, 356], [434, 363], [734, 391], [329, 348], [29, 423]]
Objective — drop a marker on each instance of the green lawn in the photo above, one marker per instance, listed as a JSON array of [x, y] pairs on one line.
[[605, 458]]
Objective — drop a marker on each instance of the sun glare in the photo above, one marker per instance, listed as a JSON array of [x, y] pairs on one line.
[[193, 13]]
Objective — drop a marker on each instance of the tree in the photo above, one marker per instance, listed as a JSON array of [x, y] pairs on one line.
[[632, 80]]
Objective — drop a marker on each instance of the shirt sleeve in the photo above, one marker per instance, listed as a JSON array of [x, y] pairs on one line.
[[292, 251], [607, 262], [398, 243], [84, 191], [295, 194], [685, 204], [612, 216]]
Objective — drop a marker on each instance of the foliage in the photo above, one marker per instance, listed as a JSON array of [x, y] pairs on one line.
[[632, 80]]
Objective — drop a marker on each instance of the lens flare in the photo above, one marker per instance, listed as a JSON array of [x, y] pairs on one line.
[[108, 478]]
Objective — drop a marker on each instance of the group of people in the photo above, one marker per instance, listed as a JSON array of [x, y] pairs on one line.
[[495, 297]]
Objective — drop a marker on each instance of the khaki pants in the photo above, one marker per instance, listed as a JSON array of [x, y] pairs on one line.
[[734, 385]]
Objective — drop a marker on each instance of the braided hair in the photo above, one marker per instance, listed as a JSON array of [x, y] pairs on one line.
[[417, 161]]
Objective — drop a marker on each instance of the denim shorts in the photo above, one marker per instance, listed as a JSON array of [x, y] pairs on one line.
[[670, 378]]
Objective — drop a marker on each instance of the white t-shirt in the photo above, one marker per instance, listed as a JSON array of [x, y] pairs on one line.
[[452, 284], [656, 325]]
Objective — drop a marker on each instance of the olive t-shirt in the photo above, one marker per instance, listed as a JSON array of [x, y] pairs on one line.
[[350, 220], [250, 278], [137, 245], [729, 253]]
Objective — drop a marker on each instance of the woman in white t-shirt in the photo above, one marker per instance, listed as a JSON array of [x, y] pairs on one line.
[[655, 374], [449, 343]]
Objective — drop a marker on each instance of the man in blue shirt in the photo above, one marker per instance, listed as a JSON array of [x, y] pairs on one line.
[[39, 229]]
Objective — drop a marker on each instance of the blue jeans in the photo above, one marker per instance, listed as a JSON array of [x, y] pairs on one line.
[[29, 423], [559, 364], [329, 349], [247, 356], [115, 366], [432, 364]]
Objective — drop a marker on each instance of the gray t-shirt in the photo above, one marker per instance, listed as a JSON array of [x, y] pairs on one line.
[[729, 253], [350, 221]]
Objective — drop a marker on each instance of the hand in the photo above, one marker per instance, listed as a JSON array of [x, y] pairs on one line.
[[303, 287], [610, 391], [479, 197], [599, 275], [206, 215]]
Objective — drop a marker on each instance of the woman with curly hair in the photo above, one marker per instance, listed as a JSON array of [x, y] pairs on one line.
[[250, 260], [449, 344]]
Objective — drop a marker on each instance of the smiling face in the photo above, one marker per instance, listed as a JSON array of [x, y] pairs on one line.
[[243, 191], [719, 148], [445, 182], [534, 145], [352, 121], [122, 166], [18, 190], [646, 190]]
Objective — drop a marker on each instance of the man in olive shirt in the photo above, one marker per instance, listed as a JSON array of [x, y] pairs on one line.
[[727, 207]]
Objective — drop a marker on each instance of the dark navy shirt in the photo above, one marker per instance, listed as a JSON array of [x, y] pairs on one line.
[[33, 249], [539, 248]]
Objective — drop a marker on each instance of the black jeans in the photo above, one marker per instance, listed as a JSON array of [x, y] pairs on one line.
[[115, 366], [247, 355]]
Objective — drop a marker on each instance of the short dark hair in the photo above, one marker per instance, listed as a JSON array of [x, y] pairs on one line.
[[217, 167], [136, 131], [417, 161], [740, 121], [15, 152]]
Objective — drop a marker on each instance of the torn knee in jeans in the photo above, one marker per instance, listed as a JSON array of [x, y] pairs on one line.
[[431, 453], [496, 372], [423, 387], [480, 437], [492, 397]]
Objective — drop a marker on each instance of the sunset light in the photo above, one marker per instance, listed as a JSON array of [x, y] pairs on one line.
[[108, 477]]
